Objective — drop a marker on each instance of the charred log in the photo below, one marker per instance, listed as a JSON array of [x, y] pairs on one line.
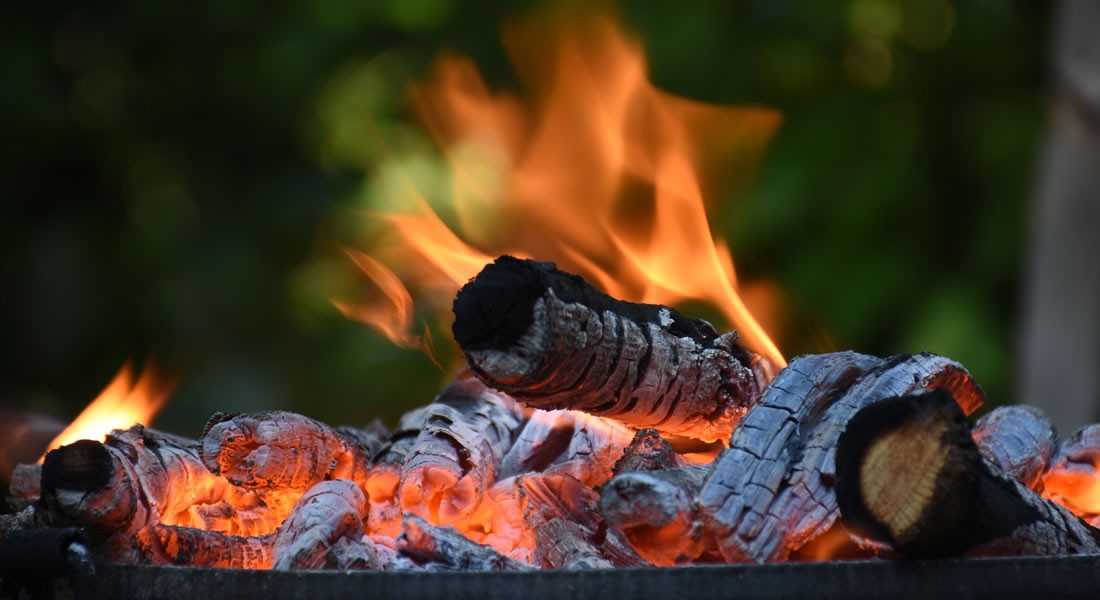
[[562, 544], [1019, 439], [567, 442], [657, 512], [186, 546], [25, 487], [910, 474], [325, 530], [648, 451], [447, 548], [1073, 478], [457, 454], [772, 491], [384, 517], [280, 454], [139, 477], [552, 341]]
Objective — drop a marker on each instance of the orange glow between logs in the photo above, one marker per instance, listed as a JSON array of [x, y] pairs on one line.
[[122, 403], [590, 166]]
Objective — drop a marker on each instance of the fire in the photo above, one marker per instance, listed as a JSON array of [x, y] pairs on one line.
[[122, 403], [591, 167]]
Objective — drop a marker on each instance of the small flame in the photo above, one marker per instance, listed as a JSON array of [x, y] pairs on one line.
[[124, 402], [592, 167]]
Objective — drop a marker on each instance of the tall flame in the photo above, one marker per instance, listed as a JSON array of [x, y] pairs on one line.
[[122, 403], [592, 167]]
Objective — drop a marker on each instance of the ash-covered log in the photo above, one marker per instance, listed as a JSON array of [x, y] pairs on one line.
[[1019, 439], [281, 454], [910, 474], [657, 513], [1073, 477], [466, 432], [140, 477], [567, 442], [563, 544], [772, 491], [186, 546], [384, 516], [552, 341], [325, 530], [446, 548]]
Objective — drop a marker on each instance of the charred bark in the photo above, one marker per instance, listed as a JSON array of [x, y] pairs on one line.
[[447, 548], [568, 443], [457, 454], [1019, 439], [325, 530], [552, 341], [1073, 477], [186, 546], [384, 517], [910, 474], [280, 454], [657, 512], [772, 491]]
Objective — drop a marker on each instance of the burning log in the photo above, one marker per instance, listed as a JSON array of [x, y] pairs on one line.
[[25, 485], [1073, 478], [772, 491], [1018, 439], [910, 474], [280, 454], [562, 544], [568, 443], [657, 513], [466, 432], [384, 517], [325, 530], [175, 545], [551, 341], [446, 548], [140, 477]]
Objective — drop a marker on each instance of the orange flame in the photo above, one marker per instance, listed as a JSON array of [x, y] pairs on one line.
[[591, 167], [122, 403]]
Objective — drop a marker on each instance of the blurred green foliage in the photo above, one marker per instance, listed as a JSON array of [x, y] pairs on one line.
[[175, 179]]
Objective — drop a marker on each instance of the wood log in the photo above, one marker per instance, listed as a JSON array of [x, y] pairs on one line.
[[657, 513], [552, 341], [449, 549], [910, 474], [139, 477], [325, 530], [567, 442], [562, 544], [25, 486], [186, 546], [647, 451], [384, 517], [458, 452], [1073, 477], [280, 454], [772, 491], [1019, 439]]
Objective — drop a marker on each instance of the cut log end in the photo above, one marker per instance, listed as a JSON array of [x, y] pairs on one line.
[[911, 464], [84, 466]]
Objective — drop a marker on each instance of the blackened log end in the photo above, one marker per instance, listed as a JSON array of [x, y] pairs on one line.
[[84, 465], [496, 308]]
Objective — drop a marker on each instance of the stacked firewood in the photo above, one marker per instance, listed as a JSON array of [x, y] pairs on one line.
[[588, 432]]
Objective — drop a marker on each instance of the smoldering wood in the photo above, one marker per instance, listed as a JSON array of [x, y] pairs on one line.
[[1073, 477], [657, 513], [447, 548], [910, 474], [25, 486], [139, 477], [325, 530], [552, 341], [280, 454], [1019, 439], [647, 451], [568, 443], [27, 518], [186, 546], [384, 517], [772, 491], [562, 544], [466, 432], [372, 437]]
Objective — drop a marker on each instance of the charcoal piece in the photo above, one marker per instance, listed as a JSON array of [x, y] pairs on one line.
[[552, 341], [567, 442], [1073, 477], [448, 549], [458, 452], [1019, 439], [25, 485], [384, 516], [562, 544], [648, 451], [909, 474], [325, 530], [186, 546], [140, 477], [280, 454], [657, 512], [772, 491]]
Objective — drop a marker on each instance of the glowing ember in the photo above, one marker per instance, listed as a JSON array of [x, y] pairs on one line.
[[592, 167], [124, 402]]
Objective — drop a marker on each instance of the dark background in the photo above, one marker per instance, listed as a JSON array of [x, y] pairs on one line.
[[175, 177]]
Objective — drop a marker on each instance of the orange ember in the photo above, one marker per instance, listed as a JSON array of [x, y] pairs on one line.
[[122, 403], [591, 167]]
